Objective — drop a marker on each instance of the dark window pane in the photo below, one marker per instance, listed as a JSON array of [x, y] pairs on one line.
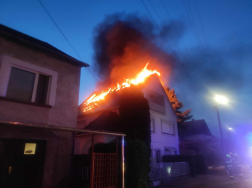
[[42, 89], [20, 85]]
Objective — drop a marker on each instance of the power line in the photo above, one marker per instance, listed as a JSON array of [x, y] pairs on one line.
[[173, 24], [172, 38], [189, 14], [156, 24], [64, 35], [203, 31], [195, 31], [163, 35]]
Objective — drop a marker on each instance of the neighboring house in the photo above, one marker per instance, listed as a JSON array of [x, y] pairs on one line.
[[39, 89], [196, 130], [164, 132]]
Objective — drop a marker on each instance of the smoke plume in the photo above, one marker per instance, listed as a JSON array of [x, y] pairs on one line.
[[125, 43]]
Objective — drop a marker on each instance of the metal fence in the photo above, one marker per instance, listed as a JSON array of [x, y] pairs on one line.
[[168, 170]]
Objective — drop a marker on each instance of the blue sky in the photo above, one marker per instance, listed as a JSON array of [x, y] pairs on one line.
[[217, 37]]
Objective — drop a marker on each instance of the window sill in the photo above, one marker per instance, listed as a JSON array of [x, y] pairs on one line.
[[25, 102]]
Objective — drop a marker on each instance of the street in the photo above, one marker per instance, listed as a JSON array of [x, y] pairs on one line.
[[216, 178]]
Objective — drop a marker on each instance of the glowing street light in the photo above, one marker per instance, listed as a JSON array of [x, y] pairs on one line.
[[221, 99], [230, 128]]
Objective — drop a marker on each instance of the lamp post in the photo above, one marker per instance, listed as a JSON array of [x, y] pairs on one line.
[[224, 101], [229, 130]]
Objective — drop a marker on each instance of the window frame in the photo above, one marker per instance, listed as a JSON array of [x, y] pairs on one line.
[[170, 123], [5, 71]]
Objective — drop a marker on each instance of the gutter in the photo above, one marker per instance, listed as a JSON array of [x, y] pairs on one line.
[[19, 124]]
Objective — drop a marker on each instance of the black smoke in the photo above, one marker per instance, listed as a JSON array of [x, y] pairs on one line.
[[123, 44]]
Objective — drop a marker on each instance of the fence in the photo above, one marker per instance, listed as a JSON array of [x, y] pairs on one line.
[[168, 170], [105, 170]]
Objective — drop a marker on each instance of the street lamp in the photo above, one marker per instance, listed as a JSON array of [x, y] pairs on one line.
[[229, 130], [224, 101], [221, 99]]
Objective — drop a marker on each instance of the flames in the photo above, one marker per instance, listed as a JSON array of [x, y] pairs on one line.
[[93, 101]]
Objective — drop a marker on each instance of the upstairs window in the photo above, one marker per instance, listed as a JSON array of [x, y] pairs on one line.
[[168, 128], [28, 86], [22, 81]]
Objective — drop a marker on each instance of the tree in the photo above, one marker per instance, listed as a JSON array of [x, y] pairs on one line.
[[134, 113], [137, 164], [177, 105]]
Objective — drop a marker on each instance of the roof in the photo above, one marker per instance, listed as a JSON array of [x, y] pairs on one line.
[[112, 99], [196, 127], [37, 45]]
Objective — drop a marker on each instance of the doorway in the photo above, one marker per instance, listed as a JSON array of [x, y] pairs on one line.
[[21, 163]]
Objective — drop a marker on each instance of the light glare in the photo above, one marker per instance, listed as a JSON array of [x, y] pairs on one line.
[[221, 99]]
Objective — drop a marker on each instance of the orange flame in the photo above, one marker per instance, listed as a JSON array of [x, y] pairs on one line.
[[92, 101]]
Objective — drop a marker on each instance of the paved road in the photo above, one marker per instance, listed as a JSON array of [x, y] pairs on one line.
[[217, 178]]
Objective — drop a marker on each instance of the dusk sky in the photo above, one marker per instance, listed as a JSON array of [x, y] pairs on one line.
[[213, 45]]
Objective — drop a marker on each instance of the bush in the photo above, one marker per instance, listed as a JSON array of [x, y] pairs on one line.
[[136, 164]]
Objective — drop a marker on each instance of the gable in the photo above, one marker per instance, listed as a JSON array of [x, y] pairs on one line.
[[155, 94]]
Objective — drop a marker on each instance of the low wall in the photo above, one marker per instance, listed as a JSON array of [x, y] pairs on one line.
[[168, 170]]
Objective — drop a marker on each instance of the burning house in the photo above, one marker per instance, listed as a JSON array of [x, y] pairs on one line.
[[123, 45], [102, 112]]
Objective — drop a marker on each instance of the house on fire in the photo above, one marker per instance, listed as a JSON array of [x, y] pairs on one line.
[[164, 132], [39, 89]]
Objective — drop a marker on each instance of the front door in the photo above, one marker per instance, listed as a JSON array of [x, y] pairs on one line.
[[21, 163]]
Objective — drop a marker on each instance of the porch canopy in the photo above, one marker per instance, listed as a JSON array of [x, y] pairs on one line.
[[83, 133]]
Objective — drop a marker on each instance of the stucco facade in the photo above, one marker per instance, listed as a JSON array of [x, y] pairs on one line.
[[63, 112], [161, 111]]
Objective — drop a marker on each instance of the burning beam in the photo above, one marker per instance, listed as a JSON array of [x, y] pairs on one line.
[[93, 100]]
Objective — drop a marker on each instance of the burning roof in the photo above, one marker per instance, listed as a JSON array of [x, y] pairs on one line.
[[95, 99]]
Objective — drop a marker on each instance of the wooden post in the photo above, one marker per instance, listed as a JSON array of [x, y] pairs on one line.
[[116, 161], [92, 164], [122, 161]]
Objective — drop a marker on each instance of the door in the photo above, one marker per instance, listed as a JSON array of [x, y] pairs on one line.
[[21, 163]]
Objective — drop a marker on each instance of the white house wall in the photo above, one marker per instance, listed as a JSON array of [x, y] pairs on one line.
[[161, 112]]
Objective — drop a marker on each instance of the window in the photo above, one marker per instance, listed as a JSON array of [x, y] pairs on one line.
[[152, 125], [168, 128], [27, 86], [27, 82]]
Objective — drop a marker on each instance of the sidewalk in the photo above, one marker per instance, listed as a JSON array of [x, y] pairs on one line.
[[216, 178]]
